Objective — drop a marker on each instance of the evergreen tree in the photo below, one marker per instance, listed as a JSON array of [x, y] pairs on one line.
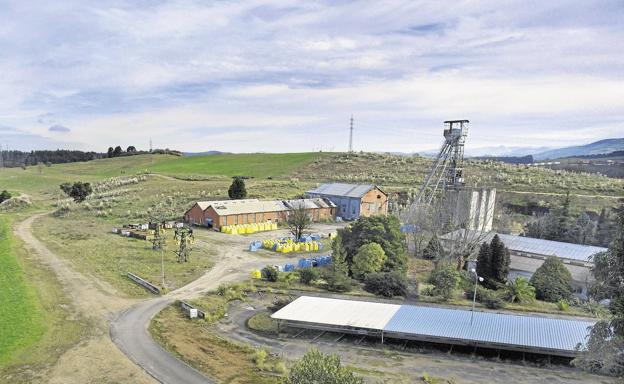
[[111, 152], [604, 350], [552, 281], [369, 258], [500, 260], [484, 261], [4, 195], [237, 190], [433, 250], [117, 151], [583, 230]]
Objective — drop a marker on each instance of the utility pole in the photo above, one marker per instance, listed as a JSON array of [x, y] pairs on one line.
[[1, 157], [351, 135], [151, 153]]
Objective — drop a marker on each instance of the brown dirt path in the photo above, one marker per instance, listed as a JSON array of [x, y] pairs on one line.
[[97, 359]]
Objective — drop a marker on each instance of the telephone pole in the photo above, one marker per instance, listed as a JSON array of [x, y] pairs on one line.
[[351, 135]]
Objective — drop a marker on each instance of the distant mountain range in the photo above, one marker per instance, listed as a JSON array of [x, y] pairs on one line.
[[547, 153], [595, 148]]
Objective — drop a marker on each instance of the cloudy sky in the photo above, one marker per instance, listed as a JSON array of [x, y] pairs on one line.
[[285, 76]]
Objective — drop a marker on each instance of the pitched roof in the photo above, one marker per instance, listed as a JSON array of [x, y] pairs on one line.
[[237, 207], [312, 203], [559, 249], [342, 189]]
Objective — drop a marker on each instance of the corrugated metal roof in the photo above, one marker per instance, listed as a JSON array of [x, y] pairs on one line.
[[341, 189], [539, 246], [237, 207], [492, 328], [343, 313], [313, 203], [526, 332]]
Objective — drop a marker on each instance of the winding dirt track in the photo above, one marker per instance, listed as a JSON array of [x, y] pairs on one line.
[[121, 324], [97, 357]]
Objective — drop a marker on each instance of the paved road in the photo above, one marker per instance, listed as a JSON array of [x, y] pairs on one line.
[[129, 332]]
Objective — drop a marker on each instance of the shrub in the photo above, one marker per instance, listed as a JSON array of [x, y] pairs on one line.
[[318, 367], [270, 273], [4, 195], [445, 279], [552, 281], [259, 357], [338, 281], [77, 191], [368, 259], [307, 276], [563, 305], [492, 299], [386, 284], [519, 291], [279, 304]]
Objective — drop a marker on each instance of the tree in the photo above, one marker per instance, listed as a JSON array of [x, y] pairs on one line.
[[383, 230], [111, 152], [484, 262], [434, 249], [336, 275], [118, 151], [4, 195], [307, 275], [320, 368], [499, 263], [298, 219], [388, 284], [604, 351], [605, 229], [444, 279], [131, 149], [77, 191], [519, 291], [369, 258], [237, 189], [583, 230], [552, 281]]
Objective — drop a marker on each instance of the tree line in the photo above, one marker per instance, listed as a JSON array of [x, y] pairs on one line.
[[560, 225], [13, 158]]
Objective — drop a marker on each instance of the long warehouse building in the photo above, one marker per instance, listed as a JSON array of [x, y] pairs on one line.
[[510, 332]]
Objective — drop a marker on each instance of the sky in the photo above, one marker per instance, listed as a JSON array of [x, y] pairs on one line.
[[286, 76]]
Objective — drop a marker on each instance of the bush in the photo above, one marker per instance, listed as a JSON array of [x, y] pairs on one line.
[[338, 281], [552, 281], [279, 304], [368, 259], [4, 195], [563, 305], [386, 284], [519, 291], [307, 276], [445, 279], [77, 191], [492, 299], [270, 273], [259, 358]]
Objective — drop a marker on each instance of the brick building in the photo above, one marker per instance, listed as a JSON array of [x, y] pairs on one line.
[[248, 211], [353, 200]]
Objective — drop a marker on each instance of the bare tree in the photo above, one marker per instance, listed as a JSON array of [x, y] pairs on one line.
[[298, 219]]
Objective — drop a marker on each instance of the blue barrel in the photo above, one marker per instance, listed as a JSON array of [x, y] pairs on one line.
[[289, 267]]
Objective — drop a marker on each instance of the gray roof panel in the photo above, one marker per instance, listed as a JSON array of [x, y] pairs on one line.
[[559, 249], [342, 189], [489, 327]]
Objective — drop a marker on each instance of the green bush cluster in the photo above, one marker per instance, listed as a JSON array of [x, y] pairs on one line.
[[387, 284]]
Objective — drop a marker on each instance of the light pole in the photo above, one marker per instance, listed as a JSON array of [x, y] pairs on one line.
[[474, 296]]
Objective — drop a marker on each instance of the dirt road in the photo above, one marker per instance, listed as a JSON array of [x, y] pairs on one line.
[[96, 358]]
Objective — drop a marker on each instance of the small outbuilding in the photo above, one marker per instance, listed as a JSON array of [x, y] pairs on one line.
[[353, 200]]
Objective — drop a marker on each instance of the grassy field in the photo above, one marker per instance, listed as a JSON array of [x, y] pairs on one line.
[[37, 322], [20, 314]]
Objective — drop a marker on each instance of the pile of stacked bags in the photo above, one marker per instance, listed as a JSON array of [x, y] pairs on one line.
[[241, 229], [289, 245]]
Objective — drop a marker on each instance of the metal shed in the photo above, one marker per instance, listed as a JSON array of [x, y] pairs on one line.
[[522, 333]]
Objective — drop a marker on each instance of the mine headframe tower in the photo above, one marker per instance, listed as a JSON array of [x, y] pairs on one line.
[[447, 168]]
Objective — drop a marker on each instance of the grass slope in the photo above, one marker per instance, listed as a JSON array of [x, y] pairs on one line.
[[259, 165], [20, 321]]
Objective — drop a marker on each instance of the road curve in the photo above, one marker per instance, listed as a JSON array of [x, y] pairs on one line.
[[129, 331]]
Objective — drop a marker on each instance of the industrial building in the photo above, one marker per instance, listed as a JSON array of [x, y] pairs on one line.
[[528, 254], [533, 334], [215, 214], [353, 200], [471, 208]]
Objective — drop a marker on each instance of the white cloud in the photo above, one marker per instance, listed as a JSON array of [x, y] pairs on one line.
[[286, 75]]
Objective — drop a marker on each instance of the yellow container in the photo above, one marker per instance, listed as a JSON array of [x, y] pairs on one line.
[[256, 274]]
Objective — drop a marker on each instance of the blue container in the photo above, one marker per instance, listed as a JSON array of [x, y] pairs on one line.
[[315, 237], [289, 267], [305, 263]]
